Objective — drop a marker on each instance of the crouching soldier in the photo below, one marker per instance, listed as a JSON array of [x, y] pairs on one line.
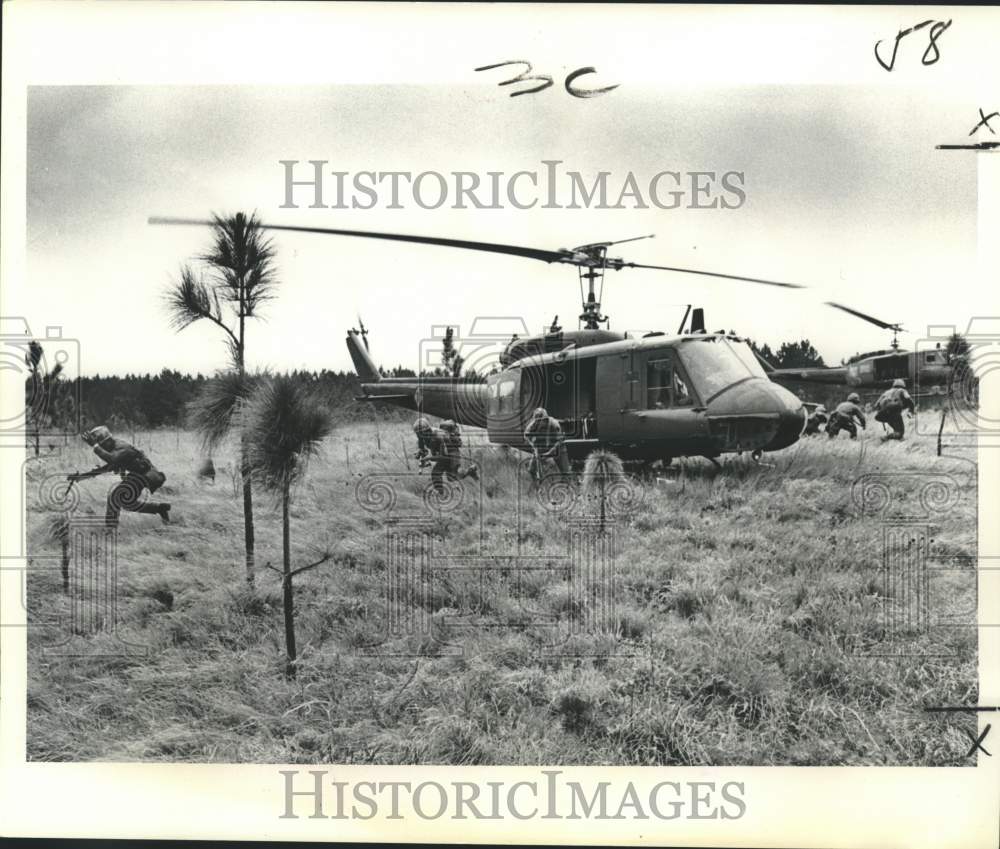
[[816, 420], [544, 435], [453, 451], [890, 406], [137, 474], [844, 416], [432, 449]]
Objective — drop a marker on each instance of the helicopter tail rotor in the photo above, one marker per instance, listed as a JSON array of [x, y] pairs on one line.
[[364, 332]]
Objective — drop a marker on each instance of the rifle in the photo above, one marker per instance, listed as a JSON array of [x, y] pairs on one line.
[[73, 477]]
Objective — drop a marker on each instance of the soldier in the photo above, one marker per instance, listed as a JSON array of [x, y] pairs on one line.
[[816, 420], [432, 448], [842, 418], [890, 406], [544, 435], [136, 471], [453, 450]]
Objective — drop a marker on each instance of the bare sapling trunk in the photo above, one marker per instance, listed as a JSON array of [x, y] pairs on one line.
[[288, 601], [247, 514]]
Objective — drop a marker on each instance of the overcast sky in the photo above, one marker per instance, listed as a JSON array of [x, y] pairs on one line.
[[844, 193]]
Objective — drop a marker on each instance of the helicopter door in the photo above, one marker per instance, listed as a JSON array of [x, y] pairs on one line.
[[503, 407], [616, 393]]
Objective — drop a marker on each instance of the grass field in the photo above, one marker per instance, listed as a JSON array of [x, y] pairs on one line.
[[747, 627]]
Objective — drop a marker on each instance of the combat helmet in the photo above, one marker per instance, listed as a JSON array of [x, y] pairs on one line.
[[97, 435]]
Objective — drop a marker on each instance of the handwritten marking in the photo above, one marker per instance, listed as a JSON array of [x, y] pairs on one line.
[[937, 29], [589, 92], [979, 146], [977, 744], [547, 81], [985, 122], [969, 708], [522, 77]]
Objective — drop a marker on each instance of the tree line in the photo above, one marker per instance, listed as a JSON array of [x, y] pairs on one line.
[[149, 401]]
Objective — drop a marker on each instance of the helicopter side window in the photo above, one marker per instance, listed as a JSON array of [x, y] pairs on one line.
[[665, 387], [658, 377]]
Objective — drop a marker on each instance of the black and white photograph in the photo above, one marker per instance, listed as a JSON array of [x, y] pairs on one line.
[[549, 411]]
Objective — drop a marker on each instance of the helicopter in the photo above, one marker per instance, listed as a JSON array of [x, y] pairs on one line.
[[648, 398], [875, 369]]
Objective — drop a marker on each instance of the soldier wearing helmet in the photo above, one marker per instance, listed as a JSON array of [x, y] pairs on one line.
[[816, 420], [432, 449], [453, 451], [844, 417], [544, 435], [890, 407], [136, 471]]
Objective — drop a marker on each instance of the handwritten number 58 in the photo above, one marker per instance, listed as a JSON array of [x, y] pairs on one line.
[[935, 33], [546, 80]]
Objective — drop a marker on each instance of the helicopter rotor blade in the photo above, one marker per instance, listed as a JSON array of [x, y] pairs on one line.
[[885, 325], [620, 264], [578, 256], [512, 250]]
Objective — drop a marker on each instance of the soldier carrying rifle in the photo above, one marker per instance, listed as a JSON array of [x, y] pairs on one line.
[[544, 435], [136, 471], [441, 449]]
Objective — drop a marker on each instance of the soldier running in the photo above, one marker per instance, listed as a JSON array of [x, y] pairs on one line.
[[136, 471], [544, 435], [816, 420], [433, 450], [890, 406], [843, 417], [453, 450]]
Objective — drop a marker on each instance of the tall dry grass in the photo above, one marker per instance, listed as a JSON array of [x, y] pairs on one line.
[[747, 626]]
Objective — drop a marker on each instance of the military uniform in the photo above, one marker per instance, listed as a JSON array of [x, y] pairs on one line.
[[844, 416], [816, 420], [137, 474], [436, 447], [544, 434], [890, 406], [453, 452]]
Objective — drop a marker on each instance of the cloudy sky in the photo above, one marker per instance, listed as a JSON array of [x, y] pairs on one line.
[[844, 193]]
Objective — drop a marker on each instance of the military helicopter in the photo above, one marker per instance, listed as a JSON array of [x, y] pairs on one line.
[[648, 398], [876, 369]]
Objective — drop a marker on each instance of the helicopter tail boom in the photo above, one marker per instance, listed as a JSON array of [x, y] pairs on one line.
[[364, 365]]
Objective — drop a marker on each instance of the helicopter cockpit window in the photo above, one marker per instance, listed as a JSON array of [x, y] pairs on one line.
[[506, 400], [713, 364], [748, 358]]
